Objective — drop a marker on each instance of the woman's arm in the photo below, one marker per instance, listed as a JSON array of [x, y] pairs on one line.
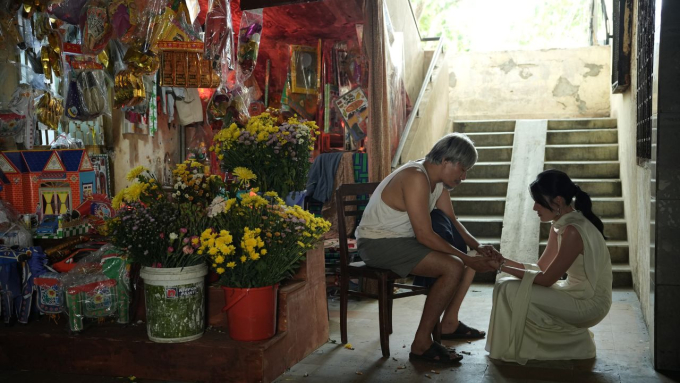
[[550, 251], [572, 246]]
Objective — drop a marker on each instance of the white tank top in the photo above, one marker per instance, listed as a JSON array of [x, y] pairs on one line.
[[381, 221]]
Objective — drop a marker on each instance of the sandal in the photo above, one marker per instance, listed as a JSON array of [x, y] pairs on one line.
[[437, 354], [464, 332]]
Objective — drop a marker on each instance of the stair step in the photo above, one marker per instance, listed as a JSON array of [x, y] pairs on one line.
[[585, 123], [622, 275], [618, 251], [608, 207], [582, 152], [483, 126], [494, 153], [482, 226], [599, 187], [466, 206], [586, 169], [482, 187], [490, 170], [492, 138], [582, 136], [614, 229]]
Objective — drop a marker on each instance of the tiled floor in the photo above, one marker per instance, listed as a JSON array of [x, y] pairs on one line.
[[622, 341]]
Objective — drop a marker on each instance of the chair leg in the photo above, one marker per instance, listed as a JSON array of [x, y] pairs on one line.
[[390, 301], [344, 286], [383, 317]]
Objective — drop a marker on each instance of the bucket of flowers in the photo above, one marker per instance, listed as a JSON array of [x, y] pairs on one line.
[[255, 242], [274, 147], [161, 233]]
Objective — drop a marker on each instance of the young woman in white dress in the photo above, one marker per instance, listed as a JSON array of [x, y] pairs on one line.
[[536, 315]]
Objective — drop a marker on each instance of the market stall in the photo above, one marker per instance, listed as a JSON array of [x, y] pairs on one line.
[[156, 164]]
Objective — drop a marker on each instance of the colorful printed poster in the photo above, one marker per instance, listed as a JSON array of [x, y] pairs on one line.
[[353, 107]]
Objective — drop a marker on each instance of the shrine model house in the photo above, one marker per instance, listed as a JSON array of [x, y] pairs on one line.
[[58, 180]]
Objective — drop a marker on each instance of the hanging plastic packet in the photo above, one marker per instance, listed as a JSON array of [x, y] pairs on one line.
[[218, 40], [9, 30], [14, 114], [95, 26], [249, 36], [66, 10], [129, 89], [228, 106], [198, 144], [124, 17], [86, 93], [49, 109], [65, 141]]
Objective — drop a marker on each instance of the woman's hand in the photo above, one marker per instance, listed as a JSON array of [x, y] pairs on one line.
[[490, 252]]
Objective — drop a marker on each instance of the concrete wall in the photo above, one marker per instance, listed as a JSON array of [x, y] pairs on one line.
[[134, 149], [432, 121], [414, 56], [554, 83], [635, 183]]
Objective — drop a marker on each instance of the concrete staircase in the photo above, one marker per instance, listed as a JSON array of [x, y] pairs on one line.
[[479, 202], [587, 150]]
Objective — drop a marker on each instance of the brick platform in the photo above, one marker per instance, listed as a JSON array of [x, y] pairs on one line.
[[114, 350]]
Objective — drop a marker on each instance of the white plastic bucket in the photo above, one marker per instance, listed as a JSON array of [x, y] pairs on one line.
[[175, 303]]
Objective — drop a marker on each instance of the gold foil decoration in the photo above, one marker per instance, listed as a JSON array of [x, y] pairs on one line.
[[141, 63], [49, 110], [129, 89]]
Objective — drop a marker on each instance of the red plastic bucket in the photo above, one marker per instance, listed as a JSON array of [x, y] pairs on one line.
[[251, 312]]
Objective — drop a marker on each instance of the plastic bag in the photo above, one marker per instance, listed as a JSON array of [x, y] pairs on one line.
[[67, 10], [50, 293], [228, 106], [65, 141], [198, 145], [14, 114], [86, 95], [218, 40], [95, 26], [129, 89], [12, 231], [124, 17], [49, 109], [155, 17], [9, 30], [98, 286], [248, 44]]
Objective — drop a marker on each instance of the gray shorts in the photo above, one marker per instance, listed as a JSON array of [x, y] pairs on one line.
[[400, 255]]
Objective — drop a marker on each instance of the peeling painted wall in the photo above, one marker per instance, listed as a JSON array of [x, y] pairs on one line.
[[554, 83], [134, 149]]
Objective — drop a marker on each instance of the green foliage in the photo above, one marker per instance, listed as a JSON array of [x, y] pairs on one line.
[[495, 25]]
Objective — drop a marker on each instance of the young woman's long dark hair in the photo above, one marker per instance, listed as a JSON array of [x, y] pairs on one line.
[[552, 183]]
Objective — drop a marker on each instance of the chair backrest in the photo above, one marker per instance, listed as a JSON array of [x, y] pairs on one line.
[[348, 205]]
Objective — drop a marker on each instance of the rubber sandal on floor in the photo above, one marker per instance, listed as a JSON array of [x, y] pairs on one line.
[[464, 332], [437, 354]]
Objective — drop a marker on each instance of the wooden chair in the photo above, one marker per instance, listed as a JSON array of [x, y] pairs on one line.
[[347, 207]]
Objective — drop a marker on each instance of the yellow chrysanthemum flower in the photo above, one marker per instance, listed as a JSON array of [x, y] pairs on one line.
[[135, 172], [244, 174]]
